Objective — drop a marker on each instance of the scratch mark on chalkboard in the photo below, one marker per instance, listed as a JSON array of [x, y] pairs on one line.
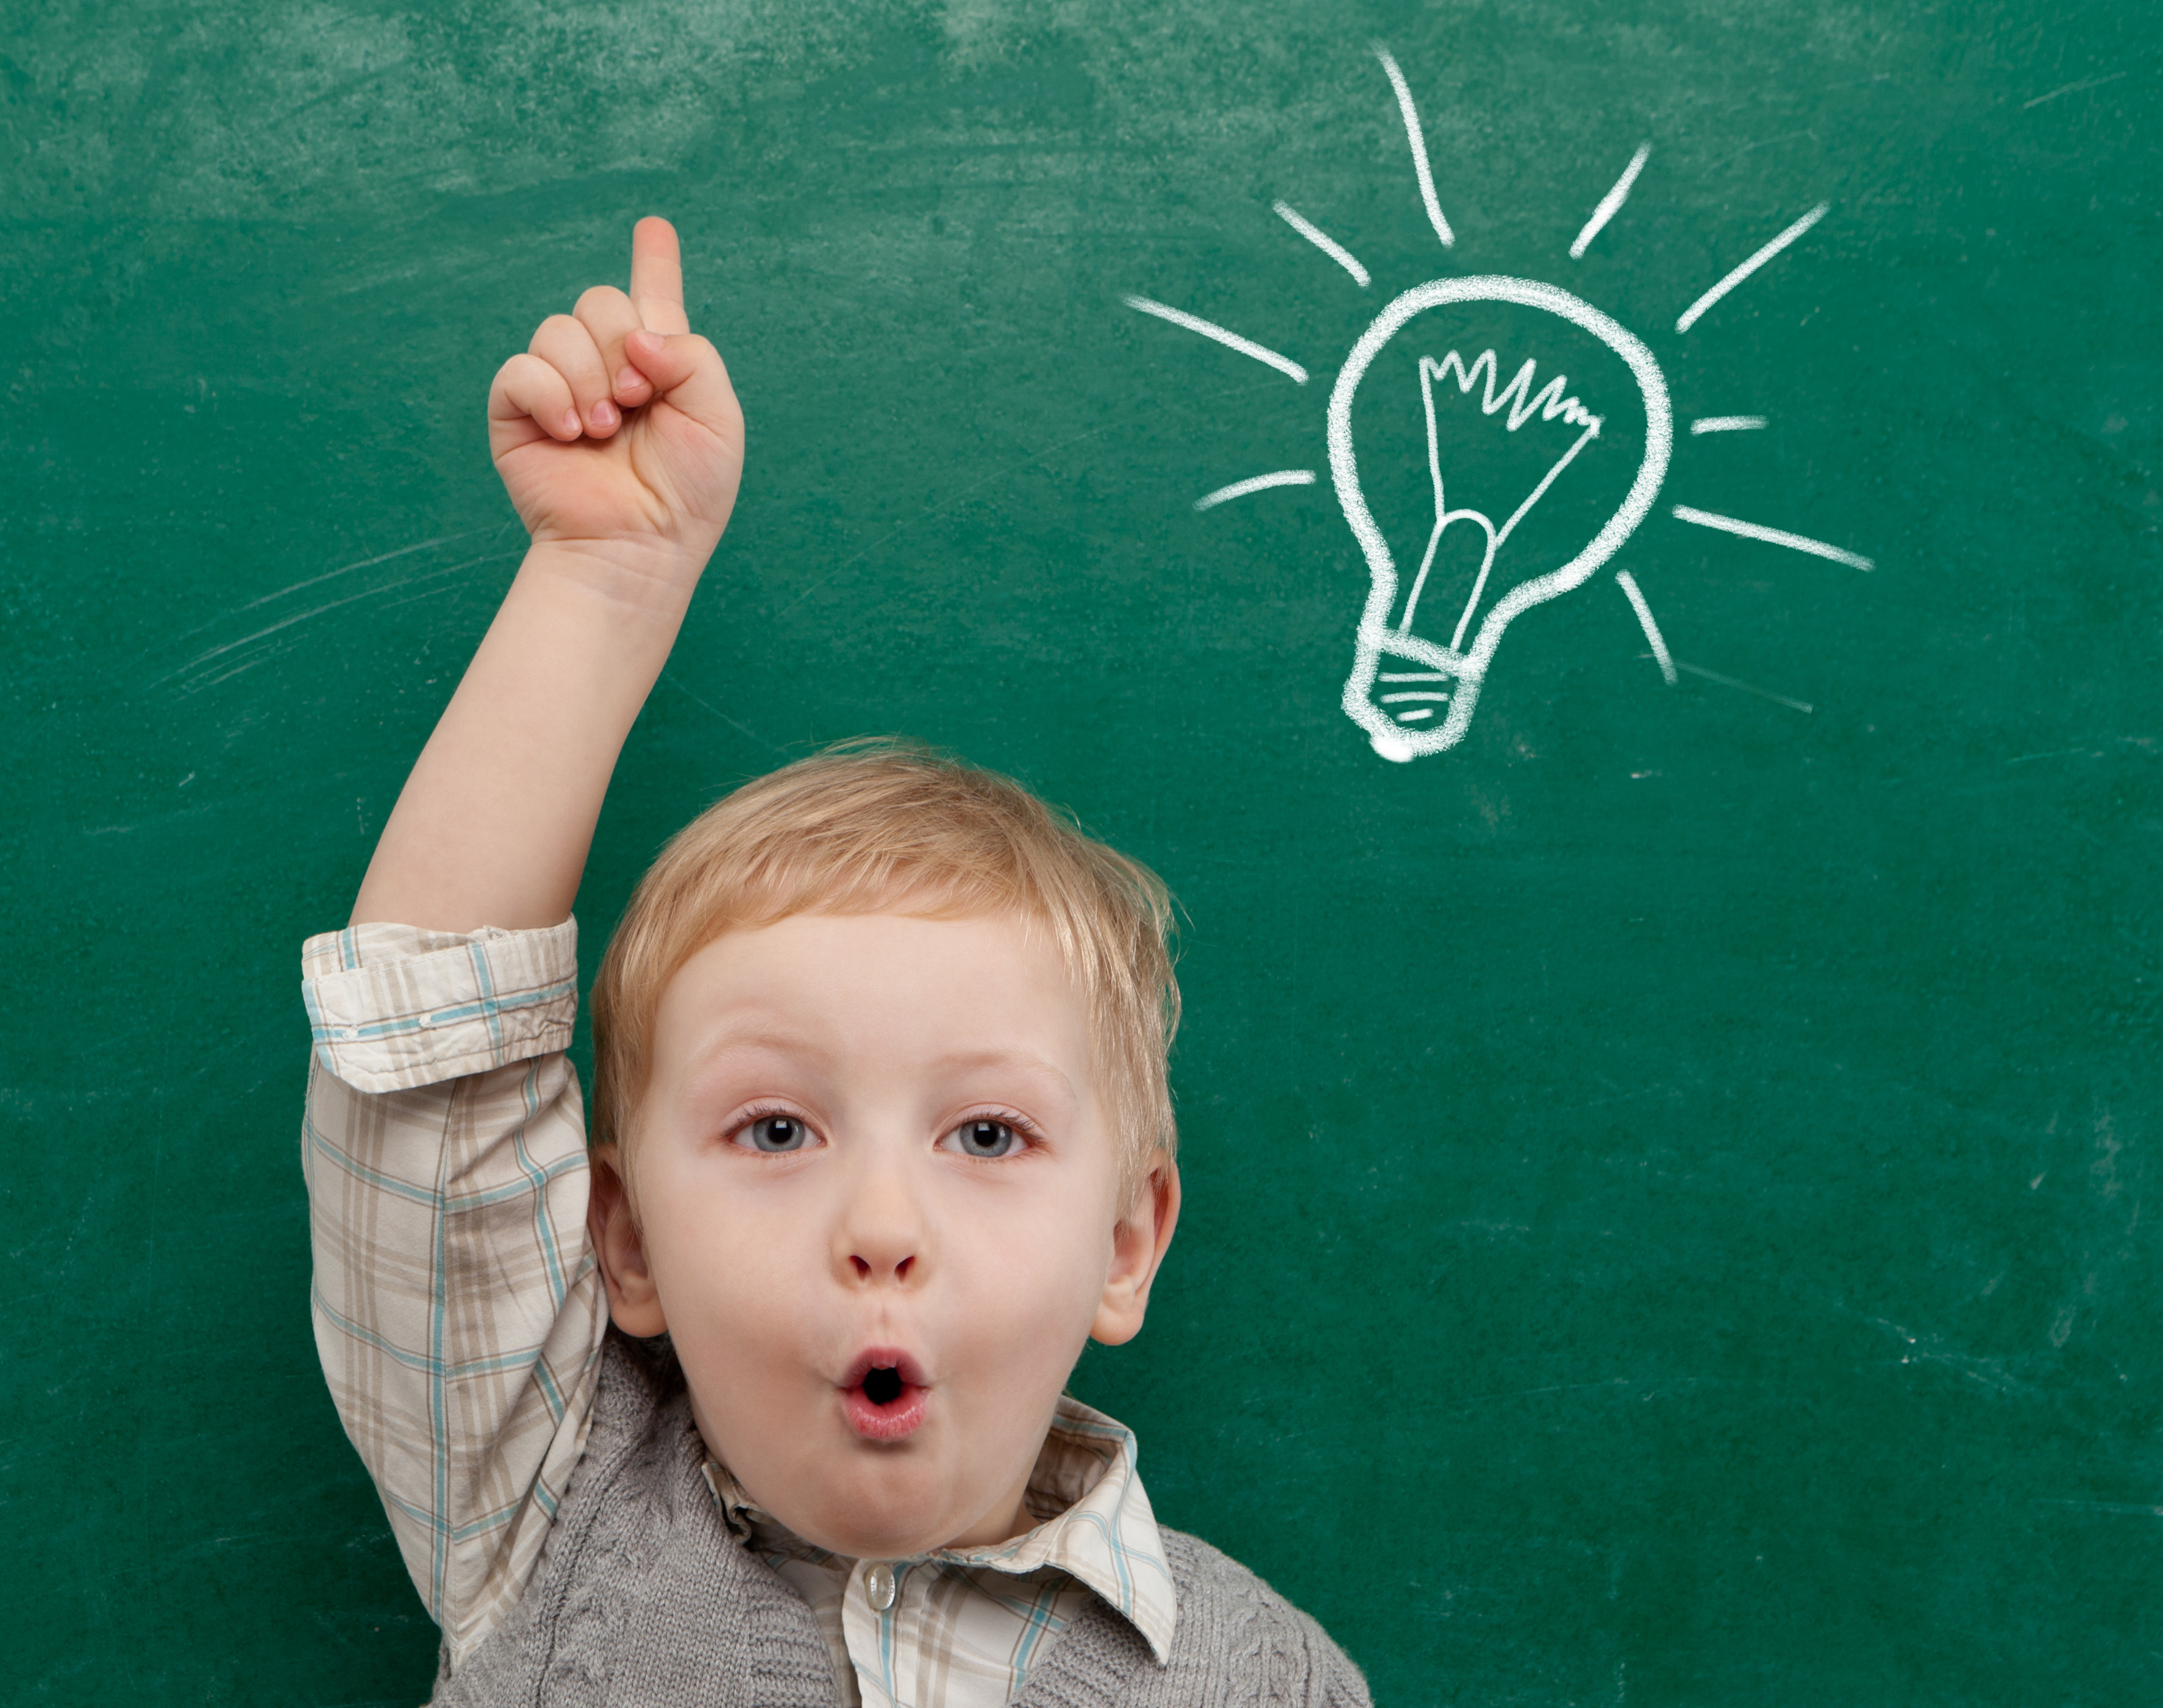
[[1728, 424], [351, 85], [194, 667], [1773, 536], [1695, 311], [1987, 1372], [1982, 1371], [2085, 83], [2145, 743], [1612, 203], [1210, 329], [1418, 141], [1258, 483], [332, 576], [743, 729], [1322, 240], [365, 563], [1637, 597], [1801, 705], [2124, 1509], [1762, 142], [2059, 754]]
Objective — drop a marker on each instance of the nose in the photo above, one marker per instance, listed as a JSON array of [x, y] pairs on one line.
[[881, 1235]]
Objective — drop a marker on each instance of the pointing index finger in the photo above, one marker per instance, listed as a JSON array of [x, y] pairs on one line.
[[656, 276]]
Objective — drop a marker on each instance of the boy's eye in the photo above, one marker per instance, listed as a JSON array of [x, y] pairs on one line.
[[982, 1139], [775, 1132]]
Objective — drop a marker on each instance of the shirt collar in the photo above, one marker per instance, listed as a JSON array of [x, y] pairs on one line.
[[1094, 1522]]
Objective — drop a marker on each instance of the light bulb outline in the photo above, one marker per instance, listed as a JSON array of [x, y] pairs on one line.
[[1400, 741], [1393, 741]]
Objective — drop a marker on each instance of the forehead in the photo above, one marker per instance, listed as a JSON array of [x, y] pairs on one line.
[[880, 985]]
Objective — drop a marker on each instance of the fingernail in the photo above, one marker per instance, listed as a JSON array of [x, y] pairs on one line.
[[603, 416], [569, 426], [630, 379]]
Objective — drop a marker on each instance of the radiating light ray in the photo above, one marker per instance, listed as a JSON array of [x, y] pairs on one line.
[[1771, 536], [1611, 202], [1801, 705], [1637, 597], [1728, 424], [1696, 309], [1412, 135], [1322, 240], [1210, 329], [1258, 483]]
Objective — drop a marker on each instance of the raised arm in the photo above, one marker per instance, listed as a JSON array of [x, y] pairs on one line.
[[620, 443], [458, 1309]]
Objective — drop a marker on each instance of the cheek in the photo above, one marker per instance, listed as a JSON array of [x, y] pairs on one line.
[[1031, 1278], [725, 1269]]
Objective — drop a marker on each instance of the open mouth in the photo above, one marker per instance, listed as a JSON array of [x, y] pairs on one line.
[[885, 1395]]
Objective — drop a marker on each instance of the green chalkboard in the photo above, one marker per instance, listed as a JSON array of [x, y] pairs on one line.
[[1669, 1168]]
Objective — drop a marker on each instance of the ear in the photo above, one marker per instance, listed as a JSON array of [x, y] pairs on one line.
[[612, 1226], [1138, 1240]]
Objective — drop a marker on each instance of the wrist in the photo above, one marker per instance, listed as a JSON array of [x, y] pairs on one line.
[[643, 583]]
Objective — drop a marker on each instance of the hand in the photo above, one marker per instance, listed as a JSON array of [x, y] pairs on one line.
[[617, 434]]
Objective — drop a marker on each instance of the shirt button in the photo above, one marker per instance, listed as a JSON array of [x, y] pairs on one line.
[[878, 1586]]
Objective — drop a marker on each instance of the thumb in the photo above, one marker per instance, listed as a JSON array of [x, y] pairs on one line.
[[687, 372]]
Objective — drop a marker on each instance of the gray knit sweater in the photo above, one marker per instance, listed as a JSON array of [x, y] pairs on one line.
[[644, 1599]]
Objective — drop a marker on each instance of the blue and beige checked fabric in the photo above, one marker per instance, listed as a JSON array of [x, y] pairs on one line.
[[459, 1316]]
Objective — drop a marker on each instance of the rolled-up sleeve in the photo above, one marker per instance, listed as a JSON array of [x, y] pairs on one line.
[[459, 1312]]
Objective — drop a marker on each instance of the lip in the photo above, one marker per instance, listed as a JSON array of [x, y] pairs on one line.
[[899, 1418]]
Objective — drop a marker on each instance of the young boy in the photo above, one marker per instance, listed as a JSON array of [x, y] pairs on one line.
[[882, 1137]]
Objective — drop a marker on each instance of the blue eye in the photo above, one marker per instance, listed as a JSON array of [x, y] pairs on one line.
[[773, 1134], [982, 1139]]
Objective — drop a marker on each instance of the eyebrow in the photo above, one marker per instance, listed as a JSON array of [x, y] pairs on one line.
[[777, 1042], [1027, 1059], [781, 1042]]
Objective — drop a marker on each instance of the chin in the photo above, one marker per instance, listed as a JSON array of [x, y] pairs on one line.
[[874, 1510]]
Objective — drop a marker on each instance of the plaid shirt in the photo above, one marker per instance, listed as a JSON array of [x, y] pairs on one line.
[[460, 1315]]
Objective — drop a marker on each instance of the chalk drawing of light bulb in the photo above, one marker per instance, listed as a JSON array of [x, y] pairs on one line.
[[1410, 691], [1431, 676]]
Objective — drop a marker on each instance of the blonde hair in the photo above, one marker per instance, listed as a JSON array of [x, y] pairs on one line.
[[880, 826]]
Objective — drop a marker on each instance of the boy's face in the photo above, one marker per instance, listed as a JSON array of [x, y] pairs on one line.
[[881, 1210]]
